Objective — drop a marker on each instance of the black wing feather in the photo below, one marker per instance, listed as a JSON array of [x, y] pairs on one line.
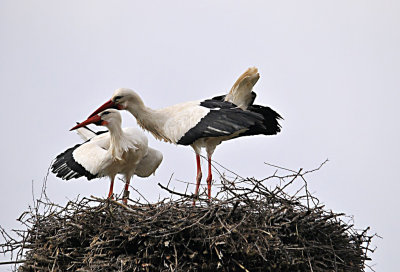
[[67, 168], [217, 103], [270, 124], [225, 119], [222, 97]]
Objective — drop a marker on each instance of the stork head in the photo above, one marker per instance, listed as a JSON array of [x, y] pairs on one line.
[[108, 118], [122, 99]]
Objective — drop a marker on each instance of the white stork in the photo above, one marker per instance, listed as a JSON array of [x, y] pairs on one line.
[[203, 123], [119, 151]]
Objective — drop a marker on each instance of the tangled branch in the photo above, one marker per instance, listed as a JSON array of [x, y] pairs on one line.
[[249, 225]]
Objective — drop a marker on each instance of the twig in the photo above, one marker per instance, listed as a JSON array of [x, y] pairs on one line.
[[13, 262]]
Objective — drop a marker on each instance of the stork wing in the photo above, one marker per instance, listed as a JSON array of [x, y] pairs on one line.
[[86, 133], [241, 92], [149, 163], [81, 160], [86, 159], [223, 120]]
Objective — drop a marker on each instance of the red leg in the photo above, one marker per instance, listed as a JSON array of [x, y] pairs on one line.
[[198, 178], [209, 178], [126, 192], [110, 193]]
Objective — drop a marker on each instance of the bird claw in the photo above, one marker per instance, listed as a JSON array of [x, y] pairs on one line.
[[111, 196], [194, 200], [125, 197]]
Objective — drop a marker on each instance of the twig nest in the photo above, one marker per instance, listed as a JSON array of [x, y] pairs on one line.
[[250, 227]]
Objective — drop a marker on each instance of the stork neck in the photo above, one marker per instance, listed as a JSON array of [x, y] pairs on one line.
[[118, 143], [149, 119]]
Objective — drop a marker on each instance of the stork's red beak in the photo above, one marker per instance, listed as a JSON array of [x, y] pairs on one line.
[[95, 119], [108, 105]]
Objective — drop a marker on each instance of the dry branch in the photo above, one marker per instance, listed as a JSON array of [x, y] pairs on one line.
[[249, 226]]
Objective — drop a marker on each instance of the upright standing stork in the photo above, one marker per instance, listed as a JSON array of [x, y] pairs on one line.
[[119, 151], [203, 123]]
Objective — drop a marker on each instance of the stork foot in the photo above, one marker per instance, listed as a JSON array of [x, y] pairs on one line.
[[209, 179], [125, 197], [198, 179], [196, 194], [194, 200], [111, 196]]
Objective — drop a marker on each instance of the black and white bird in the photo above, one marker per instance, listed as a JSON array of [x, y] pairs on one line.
[[203, 123], [119, 151]]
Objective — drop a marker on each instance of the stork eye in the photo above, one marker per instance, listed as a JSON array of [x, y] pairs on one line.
[[105, 113], [118, 97]]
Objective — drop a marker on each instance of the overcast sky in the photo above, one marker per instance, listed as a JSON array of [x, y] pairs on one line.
[[330, 68]]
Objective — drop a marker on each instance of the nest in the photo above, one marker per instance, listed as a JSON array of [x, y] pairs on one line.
[[249, 226]]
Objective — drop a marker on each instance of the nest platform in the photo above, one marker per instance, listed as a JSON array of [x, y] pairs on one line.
[[249, 226]]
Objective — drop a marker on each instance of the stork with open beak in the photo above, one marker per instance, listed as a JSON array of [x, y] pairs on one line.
[[203, 123], [119, 151]]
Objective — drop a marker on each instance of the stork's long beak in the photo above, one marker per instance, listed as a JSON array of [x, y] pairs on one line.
[[109, 104], [95, 119]]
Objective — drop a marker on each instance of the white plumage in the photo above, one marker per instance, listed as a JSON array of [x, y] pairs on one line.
[[148, 164], [119, 151], [203, 123]]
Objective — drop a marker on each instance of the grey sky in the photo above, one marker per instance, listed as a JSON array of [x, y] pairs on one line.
[[330, 68]]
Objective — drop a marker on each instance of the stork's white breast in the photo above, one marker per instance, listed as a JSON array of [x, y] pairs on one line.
[[181, 118]]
